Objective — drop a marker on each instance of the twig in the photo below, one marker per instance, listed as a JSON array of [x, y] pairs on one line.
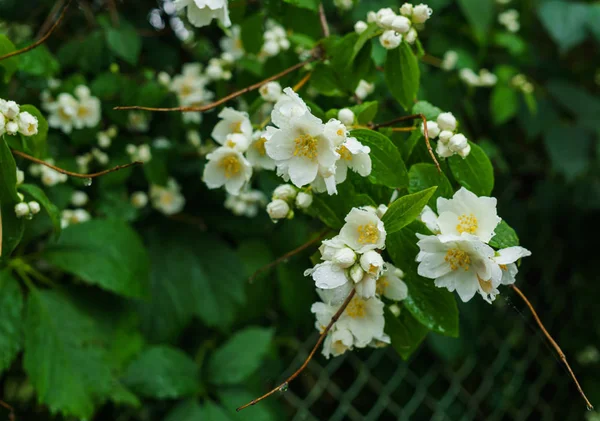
[[225, 98], [323, 20], [57, 6], [434, 61], [285, 384], [554, 344], [403, 129], [74, 174], [302, 82], [11, 411], [114, 15], [288, 255], [41, 40], [425, 132]]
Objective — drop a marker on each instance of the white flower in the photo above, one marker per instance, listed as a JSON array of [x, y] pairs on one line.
[[104, 140], [215, 70], [138, 121], [446, 121], [336, 131], [363, 89], [190, 85], [433, 129], [391, 285], [510, 20], [487, 78], [421, 13], [278, 209], [167, 199], [346, 116], [327, 275], [457, 142], [381, 210], [329, 247], [275, 40], [372, 263], [62, 112], [463, 264], [411, 36], [247, 203], [464, 152], [21, 210], [288, 106], [445, 136], [12, 127], [338, 340], [139, 199], [506, 259], [356, 273], [232, 121], [390, 39], [353, 155], [257, 153], [466, 213], [363, 231], [34, 207], [227, 167], [141, 153], [237, 141], [364, 319], [442, 150], [304, 200], [285, 192], [469, 77], [233, 44], [2, 123], [429, 218], [88, 112], [385, 17], [28, 124], [360, 27], [10, 109], [406, 9], [20, 177], [450, 59], [400, 24], [51, 177], [344, 257], [343, 4], [270, 91], [79, 198], [202, 12], [164, 78]]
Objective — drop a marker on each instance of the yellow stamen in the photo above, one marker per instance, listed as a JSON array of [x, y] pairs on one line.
[[382, 284], [467, 223], [340, 132], [368, 234], [458, 259], [345, 153], [306, 146], [260, 146], [231, 165], [356, 308], [236, 127], [503, 267], [486, 286]]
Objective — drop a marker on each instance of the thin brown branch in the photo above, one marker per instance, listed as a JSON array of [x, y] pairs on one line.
[[74, 174], [323, 20], [225, 98], [425, 132], [11, 411], [57, 6], [429, 59], [41, 40], [403, 129], [283, 386], [302, 82], [554, 344], [289, 254]]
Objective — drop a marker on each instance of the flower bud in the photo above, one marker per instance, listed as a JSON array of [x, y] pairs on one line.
[[372, 262], [346, 116], [104, 140], [79, 198], [432, 129], [344, 257], [28, 124], [271, 48], [381, 210], [285, 192], [34, 207], [400, 24], [10, 109], [371, 17], [143, 153], [270, 91], [385, 17], [411, 36], [395, 309], [21, 210], [278, 209], [457, 142], [82, 92], [406, 9], [464, 152], [139, 199], [446, 121], [487, 78], [12, 127], [20, 177], [360, 27], [356, 273], [443, 151], [445, 136], [390, 40], [164, 78], [421, 13], [304, 200]]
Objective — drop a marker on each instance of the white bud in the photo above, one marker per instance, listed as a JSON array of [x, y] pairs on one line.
[[411, 36], [457, 142], [112, 131], [344, 257], [80, 215], [371, 17], [28, 124], [421, 13], [385, 17], [104, 140], [139, 199], [433, 129], [79, 198], [2, 124], [285, 192], [346, 116], [278, 209], [398, 272], [400, 24], [12, 127], [443, 151], [356, 273], [395, 309], [164, 79], [193, 138], [34, 207], [372, 262], [360, 27], [406, 9], [381, 210], [20, 177], [487, 78], [445, 136], [82, 92], [10, 109], [131, 149], [21, 210], [446, 121], [464, 152], [271, 48], [390, 40], [270, 91], [227, 57], [304, 200], [144, 153]]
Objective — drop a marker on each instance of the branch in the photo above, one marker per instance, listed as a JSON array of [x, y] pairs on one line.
[[425, 132], [283, 386], [226, 98], [41, 40], [555, 345], [74, 174], [11, 411], [323, 20]]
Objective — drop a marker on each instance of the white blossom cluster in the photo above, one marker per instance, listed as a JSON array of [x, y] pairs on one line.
[[105, 137], [352, 259], [139, 121], [485, 78], [275, 40], [521, 82], [202, 12], [23, 209], [95, 154], [13, 120], [190, 88], [458, 256], [285, 197], [510, 20], [449, 141], [74, 216], [397, 27], [68, 112], [166, 199], [364, 89], [248, 203], [48, 176], [141, 153]]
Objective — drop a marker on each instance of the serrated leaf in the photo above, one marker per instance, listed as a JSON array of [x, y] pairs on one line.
[[424, 176], [504, 104], [406, 209], [475, 172], [10, 64], [53, 212], [125, 42], [505, 236], [104, 253], [240, 356], [11, 319], [405, 332], [11, 227], [402, 74], [162, 372], [565, 22]]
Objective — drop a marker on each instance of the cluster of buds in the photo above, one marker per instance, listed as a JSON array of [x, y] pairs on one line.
[[485, 78], [450, 142], [510, 20], [248, 203], [275, 40], [48, 176], [141, 153], [74, 216], [13, 120], [285, 197], [105, 137], [522, 84], [26, 210]]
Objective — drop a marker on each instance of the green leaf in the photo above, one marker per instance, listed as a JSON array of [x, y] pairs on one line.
[[104, 253], [11, 227], [305, 4], [252, 33], [480, 14], [325, 81], [570, 158], [372, 31], [475, 172], [53, 212], [365, 112], [39, 62], [349, 69], [405, 209], [125, 42], [37, 142], [593, 21], [430, 111], [424, 176], [405, 332], [10, 64], [214, 412], [11, 319], [162, 372], [64, 359], [240, 356], [504, 104], [388, 167], [505, 236], [188, 410], [577, 101], [402, 74], [565, 22]]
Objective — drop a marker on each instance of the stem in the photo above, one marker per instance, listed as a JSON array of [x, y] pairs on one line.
[[554, 344], [11, 411], [434, 61], [41, 40], [74, 174], [323, 20], [284, 385], [225, 98], [403, 129]]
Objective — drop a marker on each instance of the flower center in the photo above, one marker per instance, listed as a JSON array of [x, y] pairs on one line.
[[382, 284], [503, 267], [31, 128], [167, 199], [368, 234], [339, 347], [260, 146], [458, 258], [231, 166], [236, 127], [345, 153], [356, 308], [486, 286], [467, 223], [306, 146]]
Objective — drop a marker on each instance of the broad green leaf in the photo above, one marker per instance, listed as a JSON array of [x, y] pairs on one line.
[[125, 42], [162, 372], [11, 227], [365, 112], [402, 74], [39, 62], [570, 158], [188, 410], [37, 142], [512, 42], [10, 64], [348, 69], [214, 412], [406, 209], [405, 332], [424, 176], [480, 14], [325, 81], [64, 358], [475, 172], [505, 236], [240, 356], [305, 4], [427, 109], [388, 167], [593, 21], [252, 33], [372, 31], [565, 22], [11, 319], [104, 253], [504, 104], [577, 101], [38, 195]]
